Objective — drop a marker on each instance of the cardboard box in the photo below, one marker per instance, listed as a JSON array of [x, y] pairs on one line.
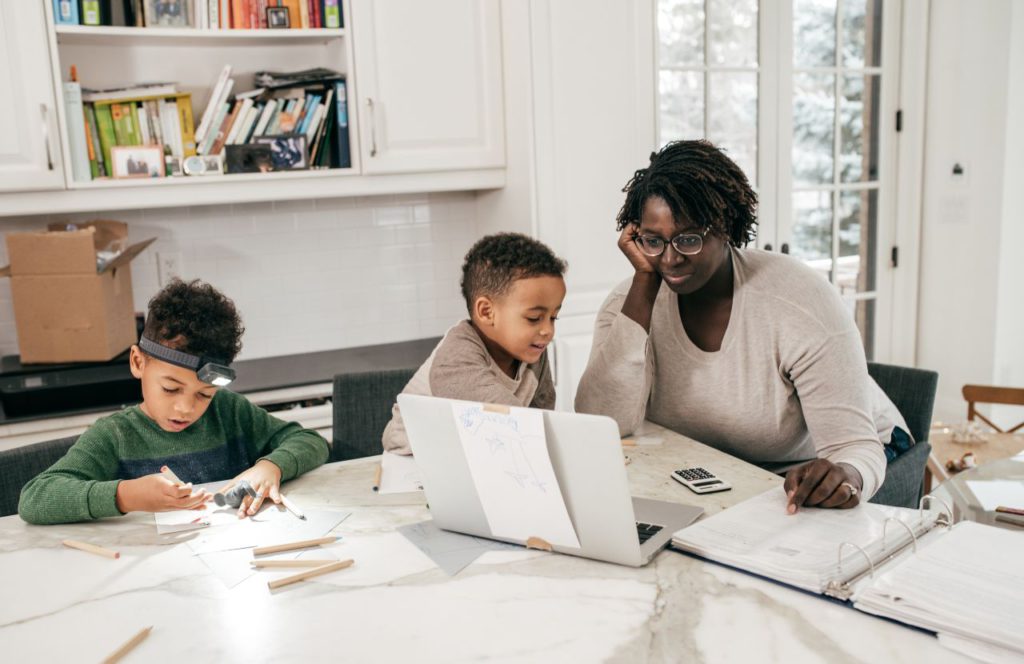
[[72, 292]]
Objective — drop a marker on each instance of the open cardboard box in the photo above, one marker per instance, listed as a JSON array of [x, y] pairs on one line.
[[72, 291]]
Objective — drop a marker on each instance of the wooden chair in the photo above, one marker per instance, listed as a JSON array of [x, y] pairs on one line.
[[973, 394]]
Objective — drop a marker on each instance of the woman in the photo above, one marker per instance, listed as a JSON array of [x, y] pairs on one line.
[[747, 351]]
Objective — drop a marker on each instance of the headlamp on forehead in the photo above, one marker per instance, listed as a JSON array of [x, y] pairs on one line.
[[207, 370]]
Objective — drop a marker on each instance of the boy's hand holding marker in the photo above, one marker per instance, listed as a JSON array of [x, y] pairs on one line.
[[159, 492]]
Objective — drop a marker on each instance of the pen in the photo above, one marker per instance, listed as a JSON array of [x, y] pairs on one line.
[[1010, 510], [376, 478], [292, 507]]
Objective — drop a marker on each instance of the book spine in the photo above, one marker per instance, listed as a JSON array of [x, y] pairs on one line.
[[65, 12], [90, 145], [95, 146], [225, 129], [105, 127], [243, 111], [172, 127], [76, 131], [341, 100], [332, 14], [155, 122], [145, 136], [188, 140], [132, 112], [122, 134], [214, 104], [91, 12], [317, 19], [318, 137], [239, 14], [268, 113], [211, 136], [304, 13]]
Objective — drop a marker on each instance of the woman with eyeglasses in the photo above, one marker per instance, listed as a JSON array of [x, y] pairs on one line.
[[748, 351]]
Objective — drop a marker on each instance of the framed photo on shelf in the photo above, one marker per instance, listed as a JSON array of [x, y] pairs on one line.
[[248, 158], [168, 13], [287, 152], [278, 18], [137, 161]]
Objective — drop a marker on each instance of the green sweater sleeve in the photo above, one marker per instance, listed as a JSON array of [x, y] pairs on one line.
[[287, 445], [80, 486]]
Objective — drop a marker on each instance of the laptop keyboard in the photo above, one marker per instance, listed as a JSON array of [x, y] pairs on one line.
[[646, 531]]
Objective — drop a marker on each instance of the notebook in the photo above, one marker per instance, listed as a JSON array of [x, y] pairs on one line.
[[965, 580]]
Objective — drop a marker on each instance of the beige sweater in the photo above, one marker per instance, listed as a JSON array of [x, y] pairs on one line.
[[789, 383], [461, 368]]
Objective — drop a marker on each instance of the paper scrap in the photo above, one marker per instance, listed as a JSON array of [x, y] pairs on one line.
[[508, 458], [399, 474], [993, 493], [450, 551]]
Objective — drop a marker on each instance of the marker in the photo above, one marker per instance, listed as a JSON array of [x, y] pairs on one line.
[[292, 507]]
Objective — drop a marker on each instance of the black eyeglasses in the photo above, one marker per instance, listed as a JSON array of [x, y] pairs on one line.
[[687, 244]]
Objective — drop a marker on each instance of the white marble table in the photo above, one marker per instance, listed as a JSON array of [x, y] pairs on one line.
[[395, 605]]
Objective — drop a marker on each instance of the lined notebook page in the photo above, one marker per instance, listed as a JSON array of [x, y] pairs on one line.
[[801, 549], [968, 582]]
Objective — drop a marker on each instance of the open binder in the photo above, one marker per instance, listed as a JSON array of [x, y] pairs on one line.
[[962, 581]]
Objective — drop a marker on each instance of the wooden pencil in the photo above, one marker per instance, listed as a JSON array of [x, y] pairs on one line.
[[128, 645], [292, 546], [309, 574], [269, 564], [91, 548], [376, 477]]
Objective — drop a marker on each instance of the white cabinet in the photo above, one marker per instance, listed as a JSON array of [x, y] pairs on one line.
[[430, 84], [29, 149]]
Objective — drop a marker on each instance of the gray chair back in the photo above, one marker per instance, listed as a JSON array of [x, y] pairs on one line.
[[19, 465], [913, 393], [362, 408]]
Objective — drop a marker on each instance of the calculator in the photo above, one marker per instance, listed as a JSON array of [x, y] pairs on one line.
[[699, 480]]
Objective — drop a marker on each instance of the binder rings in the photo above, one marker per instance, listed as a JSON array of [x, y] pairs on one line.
[[913, 566]]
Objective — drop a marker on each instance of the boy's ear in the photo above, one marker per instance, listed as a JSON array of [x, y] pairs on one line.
[[136, 361], [483, 310]]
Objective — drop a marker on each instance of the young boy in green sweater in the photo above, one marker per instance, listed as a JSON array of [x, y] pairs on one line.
[[185, 422]]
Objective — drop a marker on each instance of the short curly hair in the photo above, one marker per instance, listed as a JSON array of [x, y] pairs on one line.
[[698, 182], [496, 261], [195, 318]]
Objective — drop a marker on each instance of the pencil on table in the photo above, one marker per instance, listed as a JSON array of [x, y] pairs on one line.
[[628, 442], [270, 564], [292, 546], [309, 574], [376, 477], [128, 645], [91, 548]]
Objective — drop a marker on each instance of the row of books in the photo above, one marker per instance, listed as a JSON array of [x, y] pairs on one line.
[[202, 14]]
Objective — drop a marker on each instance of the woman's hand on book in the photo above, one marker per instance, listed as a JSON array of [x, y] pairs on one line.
[[821, 483], [156, 493]]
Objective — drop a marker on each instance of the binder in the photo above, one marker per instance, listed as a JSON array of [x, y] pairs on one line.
[[65, 12], [344, 155], [874, 557]]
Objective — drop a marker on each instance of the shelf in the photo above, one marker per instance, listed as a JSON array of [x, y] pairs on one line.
[[102, 195], [84, 35]]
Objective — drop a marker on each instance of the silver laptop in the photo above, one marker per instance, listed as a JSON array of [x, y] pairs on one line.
[[586, 455]]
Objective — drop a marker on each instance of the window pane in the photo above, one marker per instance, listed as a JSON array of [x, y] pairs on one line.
[[859, 130], [732, 32], [732, 116], [813, 109], [862, 33], [812, 229], [681, 100], [681, 32], [814, 33], [858, 241]]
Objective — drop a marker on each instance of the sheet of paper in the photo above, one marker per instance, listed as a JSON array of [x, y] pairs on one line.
[[451, 551], [182, 520], [508, 458], [271, 526], [232, 567], [993, 493], [399, 474]]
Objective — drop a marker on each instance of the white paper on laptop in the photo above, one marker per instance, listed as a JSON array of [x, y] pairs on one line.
[[508, 458], [399, 474]]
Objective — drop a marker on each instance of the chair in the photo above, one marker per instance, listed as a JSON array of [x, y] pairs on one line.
[[1013, 396], [362, 408], [913, 393], [21, 464]]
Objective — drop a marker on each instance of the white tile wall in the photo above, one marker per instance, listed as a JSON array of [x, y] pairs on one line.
[[306, 275]]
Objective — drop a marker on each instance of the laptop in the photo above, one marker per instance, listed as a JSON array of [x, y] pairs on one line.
[[586, 455]]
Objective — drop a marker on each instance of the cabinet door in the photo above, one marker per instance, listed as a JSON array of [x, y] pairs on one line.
[[29, 145], [573, 340], [429, 82]]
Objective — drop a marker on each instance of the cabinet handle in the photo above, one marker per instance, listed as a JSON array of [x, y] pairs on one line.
[[768, 247], [46, 135], [785, 247], [373, 127]]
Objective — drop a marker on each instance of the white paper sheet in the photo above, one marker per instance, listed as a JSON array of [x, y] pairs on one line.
[[993, 493], [182, 520], [399, 474], [508, 458], [271, 526]]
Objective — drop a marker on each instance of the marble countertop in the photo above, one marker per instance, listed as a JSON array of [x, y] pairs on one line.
[[394, 604]]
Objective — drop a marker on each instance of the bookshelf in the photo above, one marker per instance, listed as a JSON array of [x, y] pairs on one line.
[[420, 147]]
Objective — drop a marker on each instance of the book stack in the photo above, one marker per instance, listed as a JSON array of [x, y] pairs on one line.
[[201, 14], [308, 110], [149, 114]]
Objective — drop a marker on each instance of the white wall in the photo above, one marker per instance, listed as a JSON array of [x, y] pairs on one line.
[[306, 275], [966, 251]]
